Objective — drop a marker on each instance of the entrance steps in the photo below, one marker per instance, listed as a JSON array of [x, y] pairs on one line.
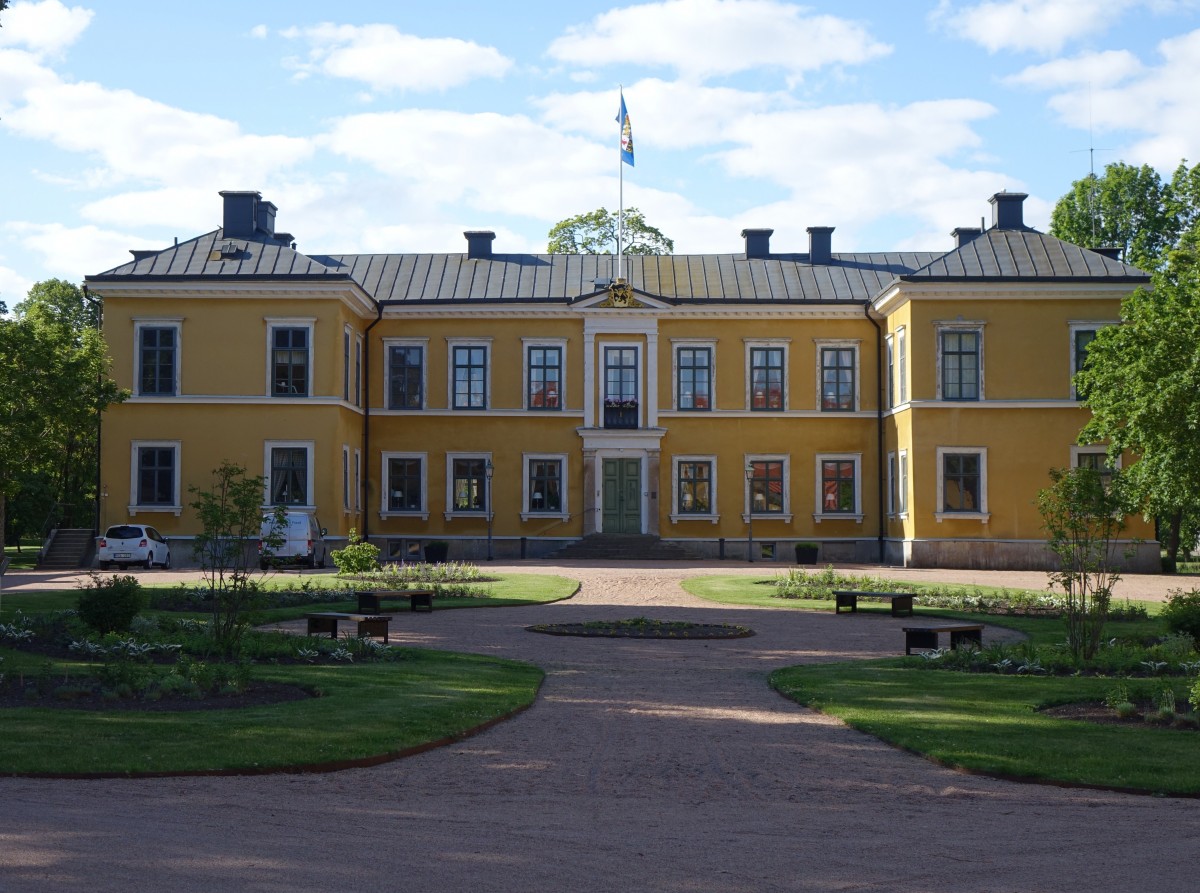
[[624, 547]]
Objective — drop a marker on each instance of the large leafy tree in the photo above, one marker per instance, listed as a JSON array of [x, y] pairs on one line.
[[596, 233], [1130, 207], [1142, 381], [53, 385]]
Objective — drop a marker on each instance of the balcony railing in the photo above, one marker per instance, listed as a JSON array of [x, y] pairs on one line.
[[623, 415]]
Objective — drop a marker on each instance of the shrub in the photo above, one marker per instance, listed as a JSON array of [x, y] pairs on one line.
[[110, 605], [1182, 612], [358, 557]]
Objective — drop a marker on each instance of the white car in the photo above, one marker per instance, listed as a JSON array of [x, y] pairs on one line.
[[126, 544]]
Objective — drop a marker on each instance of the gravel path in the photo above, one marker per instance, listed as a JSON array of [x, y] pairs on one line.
[[644, 765]]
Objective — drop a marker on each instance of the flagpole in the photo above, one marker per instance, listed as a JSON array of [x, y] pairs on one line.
[[621, 195]]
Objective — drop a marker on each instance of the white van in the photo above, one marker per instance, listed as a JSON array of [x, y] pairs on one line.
[[303, 540]]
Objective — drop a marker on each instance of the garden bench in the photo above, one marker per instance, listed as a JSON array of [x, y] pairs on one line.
[[927, 636], [902, 602], [418, 599], [368, 624]]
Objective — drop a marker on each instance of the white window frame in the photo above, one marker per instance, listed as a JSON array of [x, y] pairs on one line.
[[388, 344], [385, 510], [693, 343], [837, 344], [819, 513], [345, 479], [752, 344], [450, 513], [358, 481], [983, 516], [358, 369], [944, 327], [901, 365], [280, 322], [890, 345], [526, 458], [561, 344], [347, 338], [135, 446], [786, 460], [892, 482], [139, 324], [1091, 450], [713, 515], [902, 485], [488, 395], [310, 472], [1082, 325]]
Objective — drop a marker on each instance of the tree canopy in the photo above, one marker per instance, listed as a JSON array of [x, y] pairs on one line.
[[596, 233], [53, 383], [1130, 207]]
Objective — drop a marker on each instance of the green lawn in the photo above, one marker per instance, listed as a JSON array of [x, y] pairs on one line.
[[990, 724], [365, 711]]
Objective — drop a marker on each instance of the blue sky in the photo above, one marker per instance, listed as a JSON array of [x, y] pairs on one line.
[[395, 126]]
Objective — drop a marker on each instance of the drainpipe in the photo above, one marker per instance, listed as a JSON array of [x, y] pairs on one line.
[[366, 374], [881, 459]]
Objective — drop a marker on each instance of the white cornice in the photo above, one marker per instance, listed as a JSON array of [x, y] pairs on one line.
[[897, 294], [348, 293]]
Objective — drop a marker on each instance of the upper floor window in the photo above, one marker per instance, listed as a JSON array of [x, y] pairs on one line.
[[767, 366], [469, 376], [960, 355], [158, 360], [891, 371], [358, 351], [838, 377], [406, 376], [291, 360], [1082, 336], [346, 364], [901, 365], [694, 377], [544, 372], [620, 375]]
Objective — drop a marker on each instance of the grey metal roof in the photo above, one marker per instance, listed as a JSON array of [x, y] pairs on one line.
[[680, 278]]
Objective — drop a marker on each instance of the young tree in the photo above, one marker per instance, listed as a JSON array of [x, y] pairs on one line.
[[1083, 515], [230, 515], [596, 233], [1142, 382]]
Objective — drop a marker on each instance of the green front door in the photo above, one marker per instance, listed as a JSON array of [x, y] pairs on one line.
[[622, 496]]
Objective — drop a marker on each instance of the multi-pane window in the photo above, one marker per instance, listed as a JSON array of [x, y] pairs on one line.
[[545, 378], [766, 487], [404, 484], [838, 486], [902, 485], [470, 376], [405, 371], [1098, 461], [345, 478], [694, 486], [157, 352], [960, 364], [358, 349], [545, 485], [901, 365], [766, 378], [346, 365], [289, 361], [289, 475], [469, 483], [694, 385], [156, 475], [961, 482], [1081, 339], [837, 378], [891, 484], [620, 375], [891, 371]]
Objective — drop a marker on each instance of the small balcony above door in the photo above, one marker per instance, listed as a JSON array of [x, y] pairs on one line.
[[620, 414]]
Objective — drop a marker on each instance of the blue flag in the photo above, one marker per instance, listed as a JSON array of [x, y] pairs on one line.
[[626, 133]]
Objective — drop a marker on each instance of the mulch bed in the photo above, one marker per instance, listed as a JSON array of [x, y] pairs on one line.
[[1101, 714], [625, 629], [14, 693]]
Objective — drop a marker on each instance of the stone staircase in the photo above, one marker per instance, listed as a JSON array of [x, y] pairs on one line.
[[71, 549], [624, 547]]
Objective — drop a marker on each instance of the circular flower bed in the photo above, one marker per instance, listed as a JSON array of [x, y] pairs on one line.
[[644, 628]]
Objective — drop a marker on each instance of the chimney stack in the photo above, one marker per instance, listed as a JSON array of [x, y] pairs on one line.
[[1112, 252], [964, 235], [758, 242], [820, 247], [240, 219], [1007, 210], [479, 244]]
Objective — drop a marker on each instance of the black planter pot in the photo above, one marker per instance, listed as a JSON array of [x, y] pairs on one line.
[[806, 555], [436, 552]]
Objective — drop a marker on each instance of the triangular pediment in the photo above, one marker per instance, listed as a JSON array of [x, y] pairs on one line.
[[621, 296]]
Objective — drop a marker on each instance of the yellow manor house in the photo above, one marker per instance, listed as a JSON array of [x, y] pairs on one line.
[[890, 407]]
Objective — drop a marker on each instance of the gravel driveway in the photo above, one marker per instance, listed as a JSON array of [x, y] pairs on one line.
[[643, 766]]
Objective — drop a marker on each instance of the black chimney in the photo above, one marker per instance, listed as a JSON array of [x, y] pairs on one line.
[[479, 243], [1007, 210], [758, 242], [241, 214], [820, 240], [964, 235]]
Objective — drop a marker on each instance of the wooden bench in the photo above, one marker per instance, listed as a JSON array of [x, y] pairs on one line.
[[368, 624], [927, 636], [902, 602], [418, 599]]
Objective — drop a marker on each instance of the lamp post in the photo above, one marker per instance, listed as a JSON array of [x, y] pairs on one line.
[[750, 511], [489, 469]]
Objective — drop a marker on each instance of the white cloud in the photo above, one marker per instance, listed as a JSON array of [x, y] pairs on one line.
[[710, 38], [387, 59], [259, 31], [1043, 26], [1097, 69], [48, 27], [73, 252], [14, 287]]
